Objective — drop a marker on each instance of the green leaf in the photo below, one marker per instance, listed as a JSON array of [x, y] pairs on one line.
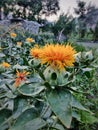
[[2, 69], [88, 118], [60, 103], [48, 73], [25, 117], [17, 66], [89, 55], [41, 75], [88, 71], [20, 105], [35, 124], [59, 127], [2, 92], [76, 115], [46, 112], [4, 114], [2, 55], [31, 89], [34, 62], [77, 104]]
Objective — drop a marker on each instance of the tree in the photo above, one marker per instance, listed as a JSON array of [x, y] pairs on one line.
[[62, 26], [81, 9], [95, 32], [87, 16], [7, 6], [90, 7], [81, 12], [30, 9]]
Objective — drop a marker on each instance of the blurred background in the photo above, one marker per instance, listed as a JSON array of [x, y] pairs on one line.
[[61, 20]]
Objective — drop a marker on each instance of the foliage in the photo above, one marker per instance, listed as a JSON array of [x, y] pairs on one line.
[[63, 25], [95, 33], [86, 18], [30, 9], [46, 98], [81, 9]]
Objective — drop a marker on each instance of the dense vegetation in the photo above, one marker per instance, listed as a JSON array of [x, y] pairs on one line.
[[29, 9], [35, 96], [48, 81]]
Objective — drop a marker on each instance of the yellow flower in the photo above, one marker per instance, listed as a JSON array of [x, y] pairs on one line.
[[0, 49], [34, 52], [21, 77], [57, 56], [19, 44], [13, 35], [29, 40], [5, 65]]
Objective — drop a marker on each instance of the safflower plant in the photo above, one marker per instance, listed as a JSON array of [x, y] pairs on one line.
[[39, 85]]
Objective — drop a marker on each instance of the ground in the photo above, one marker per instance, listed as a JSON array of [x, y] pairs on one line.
[[89, 44]]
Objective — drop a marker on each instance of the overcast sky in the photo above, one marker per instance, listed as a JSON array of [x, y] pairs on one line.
[[66, 5], [70, 4]]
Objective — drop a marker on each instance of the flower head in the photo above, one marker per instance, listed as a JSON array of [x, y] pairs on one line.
[[57, 56], [29, 40], [19, 44], [34, 52], [21, 77], [5, 65], [0, 48], [13, 35]]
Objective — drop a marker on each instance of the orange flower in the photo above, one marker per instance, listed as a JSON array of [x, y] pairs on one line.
[[34, 52], [19, 44], [21, 77], [5, 65], [57, 56], [29, 40], [13, 35]]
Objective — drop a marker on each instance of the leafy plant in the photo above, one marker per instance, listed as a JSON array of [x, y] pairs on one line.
[[46, 97]]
